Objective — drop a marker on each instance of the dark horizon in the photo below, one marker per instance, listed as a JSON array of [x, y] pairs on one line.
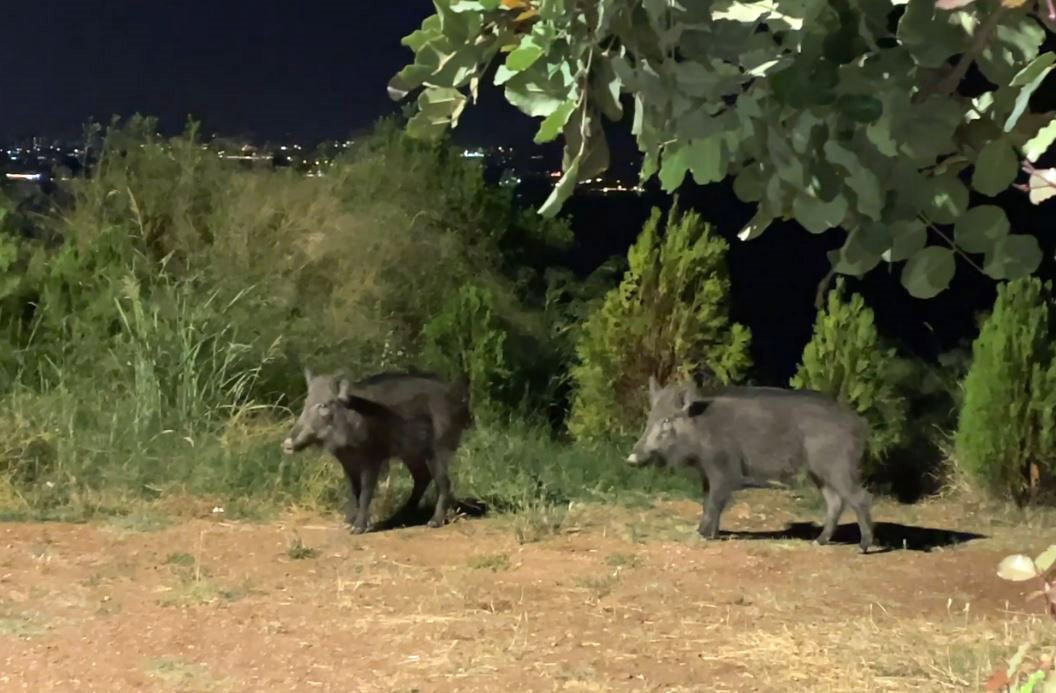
[[257, 71]]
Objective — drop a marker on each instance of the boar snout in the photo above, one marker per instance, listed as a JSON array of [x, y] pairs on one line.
[[287, 446]]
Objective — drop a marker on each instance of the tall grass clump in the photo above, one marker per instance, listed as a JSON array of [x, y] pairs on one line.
[[669, 317], [1006, 435]]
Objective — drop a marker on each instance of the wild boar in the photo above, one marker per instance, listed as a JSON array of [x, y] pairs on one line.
[[740, 437], [412, 416]]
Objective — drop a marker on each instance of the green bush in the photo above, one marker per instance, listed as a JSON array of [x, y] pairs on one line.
[[467, 340], [668, 318], [847, 359], [1005, 435]]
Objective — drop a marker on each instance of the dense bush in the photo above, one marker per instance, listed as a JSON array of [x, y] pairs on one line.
[[1006, 434], [668, 318], [846, 358]]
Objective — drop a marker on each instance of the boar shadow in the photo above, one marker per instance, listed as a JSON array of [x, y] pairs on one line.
[[888, 536], [419, 516]]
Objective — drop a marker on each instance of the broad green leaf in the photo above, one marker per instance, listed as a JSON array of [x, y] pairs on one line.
[[1028, 80], [1042, 185], [752, 12], [1016, 568], [947, 199], [474, 5], [789, 167], [803, 132], [907, 239], [1040, 143], [859, 179], [980, 228], [406, 80], [503, 74], [879, 133], [673, 166], [929, 272], [806, 83], [607, 86], [996, 168], [861, 252], [756, 225], [929, 35], [1015, 41], [562, 191], [429, 31], [748, 185], [1013, 256], [778, 195], [595, 151], [926, 129], [438, 109], [458, 26], [1046, 558], [456, 69], [554, 123], [524, 55], [817, 216], [861, 108], [707, 160], [536, 94]]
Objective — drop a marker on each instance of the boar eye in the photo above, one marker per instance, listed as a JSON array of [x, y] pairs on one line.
[[323, 409]]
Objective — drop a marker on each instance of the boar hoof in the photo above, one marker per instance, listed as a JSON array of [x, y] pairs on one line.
[[358, 529], [434, 523]]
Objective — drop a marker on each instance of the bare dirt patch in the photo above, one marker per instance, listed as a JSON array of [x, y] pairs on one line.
[[615, 600]]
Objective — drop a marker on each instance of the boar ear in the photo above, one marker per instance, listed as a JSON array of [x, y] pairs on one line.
[[696, 407], [654, 387], [343, 388]]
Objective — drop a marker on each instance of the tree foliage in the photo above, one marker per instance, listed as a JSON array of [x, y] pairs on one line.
[[1006, 435], [846, 359], [667, 318], [836, 114]]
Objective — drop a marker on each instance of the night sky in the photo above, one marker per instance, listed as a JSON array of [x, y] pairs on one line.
[[267, 69]]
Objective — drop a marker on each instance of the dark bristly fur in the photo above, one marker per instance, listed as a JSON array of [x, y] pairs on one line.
[[739, 437], [414, 416]]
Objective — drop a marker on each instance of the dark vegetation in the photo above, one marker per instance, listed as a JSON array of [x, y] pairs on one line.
[[156, 317]]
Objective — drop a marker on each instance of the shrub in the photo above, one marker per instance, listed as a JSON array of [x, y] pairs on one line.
[[668, 318], [1005, 434], [846, 359], [466, 340]]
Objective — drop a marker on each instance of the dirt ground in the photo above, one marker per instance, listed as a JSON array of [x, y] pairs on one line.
[[615, 600]]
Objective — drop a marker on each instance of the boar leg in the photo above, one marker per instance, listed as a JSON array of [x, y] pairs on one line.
[[352, 504], [369, 480], [834, 508], [860, 501], [420, 475], [719, 489], [438, 464]]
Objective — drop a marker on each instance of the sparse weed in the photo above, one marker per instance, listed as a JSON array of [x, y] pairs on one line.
[[623, 560], [298, 551], [493, 562]]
